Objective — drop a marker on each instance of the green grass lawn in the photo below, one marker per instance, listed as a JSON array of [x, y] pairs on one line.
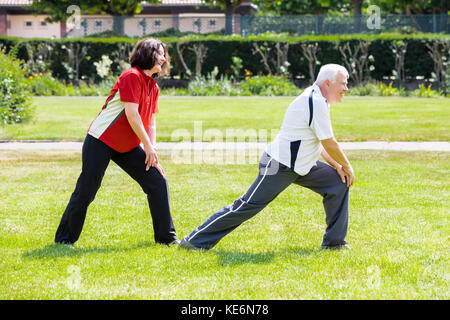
[[398, 230], [355, 119]]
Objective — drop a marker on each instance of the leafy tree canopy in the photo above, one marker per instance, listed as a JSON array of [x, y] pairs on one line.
[[57, 9]]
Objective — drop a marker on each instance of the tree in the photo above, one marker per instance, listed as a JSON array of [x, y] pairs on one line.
[[412, 6], [310, 53], [398, 48], [229, 6], [57, 9], [356, 60], [440, 53], [279, 59]]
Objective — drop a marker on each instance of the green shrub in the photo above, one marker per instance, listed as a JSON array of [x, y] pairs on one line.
[[369, 89], [387, 90], [15, 95], [174, 92], [426, 92], [446, 82], [224, 86], [45, 85], [210, 86], [268, 86]]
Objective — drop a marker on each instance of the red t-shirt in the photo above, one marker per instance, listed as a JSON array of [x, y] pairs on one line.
[[111, 125]]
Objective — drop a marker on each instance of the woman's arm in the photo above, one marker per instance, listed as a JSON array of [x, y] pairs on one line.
[[152, 131], [132, 113], [152, 135]]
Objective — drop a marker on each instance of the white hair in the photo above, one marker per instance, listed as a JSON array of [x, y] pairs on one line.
[[330, 72]]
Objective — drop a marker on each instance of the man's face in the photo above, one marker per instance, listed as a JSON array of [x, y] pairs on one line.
[[337, 89]]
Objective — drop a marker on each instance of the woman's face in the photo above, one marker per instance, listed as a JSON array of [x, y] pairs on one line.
[[159, 61]]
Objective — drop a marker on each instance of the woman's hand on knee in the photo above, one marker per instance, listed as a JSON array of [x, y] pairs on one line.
[[151, 158]]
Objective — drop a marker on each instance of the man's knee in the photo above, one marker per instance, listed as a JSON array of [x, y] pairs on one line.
[[341, 188]]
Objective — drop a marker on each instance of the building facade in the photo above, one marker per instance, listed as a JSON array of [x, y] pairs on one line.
[[17, 20]]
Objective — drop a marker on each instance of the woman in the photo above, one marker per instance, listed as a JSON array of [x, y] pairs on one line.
[[126, 120]]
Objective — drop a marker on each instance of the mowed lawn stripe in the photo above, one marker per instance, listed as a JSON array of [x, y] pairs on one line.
[[246, 118]]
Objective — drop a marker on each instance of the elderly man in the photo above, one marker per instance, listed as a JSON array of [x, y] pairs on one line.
[[305, 135]]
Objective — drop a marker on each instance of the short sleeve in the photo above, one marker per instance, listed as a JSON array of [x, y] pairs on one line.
[[130, 88], [321, 122]]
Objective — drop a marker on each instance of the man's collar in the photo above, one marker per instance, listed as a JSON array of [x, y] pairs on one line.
[[316, 88]]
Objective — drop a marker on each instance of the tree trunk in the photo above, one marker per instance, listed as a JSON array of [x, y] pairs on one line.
[[229, 20], [118, 22]]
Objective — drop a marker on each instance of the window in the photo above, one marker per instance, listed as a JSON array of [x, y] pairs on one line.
[[28, 24], [42, 24], [212, 23], [157, 23], [98, 24]]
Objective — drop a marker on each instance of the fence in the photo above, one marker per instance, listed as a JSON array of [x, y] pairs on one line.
[[339, 24]]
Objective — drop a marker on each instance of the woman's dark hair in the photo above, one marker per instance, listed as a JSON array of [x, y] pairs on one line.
[[144, 55]]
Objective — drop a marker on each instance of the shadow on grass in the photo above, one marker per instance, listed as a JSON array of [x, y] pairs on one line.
[[301, 251], [238, 258], [59, 250]]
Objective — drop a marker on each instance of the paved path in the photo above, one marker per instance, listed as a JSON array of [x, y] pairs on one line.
[[168, 146]]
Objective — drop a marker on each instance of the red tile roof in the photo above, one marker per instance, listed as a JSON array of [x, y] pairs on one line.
[[15, 3], [18, 3]]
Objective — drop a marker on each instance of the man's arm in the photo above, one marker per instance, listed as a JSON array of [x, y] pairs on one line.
[[330, 160], [334, 155], [132, 113]]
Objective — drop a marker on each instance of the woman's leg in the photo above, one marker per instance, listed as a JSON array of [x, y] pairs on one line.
[[95, 160], [156, 187]]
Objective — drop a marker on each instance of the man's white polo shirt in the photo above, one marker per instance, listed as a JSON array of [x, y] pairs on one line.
[[306, 122]]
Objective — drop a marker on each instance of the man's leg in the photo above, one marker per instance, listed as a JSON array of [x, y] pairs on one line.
[[156, 187], [264, 189], [95, 160], [325, 180]]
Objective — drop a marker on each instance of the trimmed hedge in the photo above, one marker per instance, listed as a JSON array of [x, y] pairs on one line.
[[221, 49]]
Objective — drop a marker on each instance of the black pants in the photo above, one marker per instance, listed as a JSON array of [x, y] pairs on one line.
[[96, 156]]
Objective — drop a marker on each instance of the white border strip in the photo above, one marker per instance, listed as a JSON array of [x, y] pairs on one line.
[[369, 145]]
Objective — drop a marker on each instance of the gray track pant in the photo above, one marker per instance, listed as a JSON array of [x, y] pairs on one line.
[[273, 178]]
